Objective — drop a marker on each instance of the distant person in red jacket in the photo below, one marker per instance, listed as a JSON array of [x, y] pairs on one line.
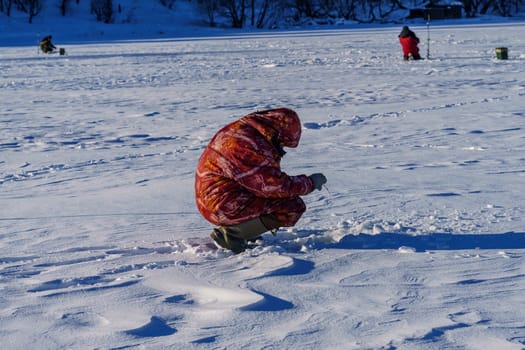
[[239, 185], [409, 42]]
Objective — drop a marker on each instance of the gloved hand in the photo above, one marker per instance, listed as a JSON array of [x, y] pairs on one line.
[[319, 180]]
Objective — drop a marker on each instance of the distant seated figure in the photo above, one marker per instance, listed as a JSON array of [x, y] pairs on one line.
[[46, 45], [409, 42]]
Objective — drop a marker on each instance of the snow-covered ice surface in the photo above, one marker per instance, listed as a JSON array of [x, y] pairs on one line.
[[418, 242]]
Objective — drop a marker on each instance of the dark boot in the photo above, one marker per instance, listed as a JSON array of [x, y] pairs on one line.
[[234, 237], [225, 240]]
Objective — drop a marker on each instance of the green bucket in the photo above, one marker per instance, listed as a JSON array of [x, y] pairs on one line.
[[502, 53]]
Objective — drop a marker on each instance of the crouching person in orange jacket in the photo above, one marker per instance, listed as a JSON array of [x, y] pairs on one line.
[[239, 185], [409, 43]]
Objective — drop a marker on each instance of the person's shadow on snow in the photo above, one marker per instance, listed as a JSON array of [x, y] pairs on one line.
[[435, 241]]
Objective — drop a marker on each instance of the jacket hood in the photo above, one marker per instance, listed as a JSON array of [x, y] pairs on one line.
[[405, 32], [281, 125]]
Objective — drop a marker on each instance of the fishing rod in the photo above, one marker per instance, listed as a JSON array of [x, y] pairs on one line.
[[428, 36]]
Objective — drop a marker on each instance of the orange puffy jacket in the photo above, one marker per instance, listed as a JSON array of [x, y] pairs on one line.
[[409, 45], [241, 165]]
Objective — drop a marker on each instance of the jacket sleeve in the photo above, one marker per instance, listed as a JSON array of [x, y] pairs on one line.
[[271, 182], [254, 164]]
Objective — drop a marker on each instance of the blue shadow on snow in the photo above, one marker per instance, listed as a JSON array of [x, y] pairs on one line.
[[435, 241], [156, 327], [268, 303]]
